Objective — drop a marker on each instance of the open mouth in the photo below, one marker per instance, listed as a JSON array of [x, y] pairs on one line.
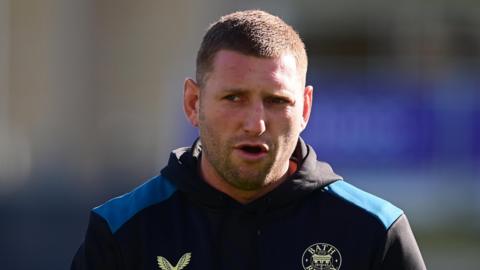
[[253, 149]]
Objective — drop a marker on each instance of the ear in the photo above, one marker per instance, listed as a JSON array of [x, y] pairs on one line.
[[307, 104], [191, 101]]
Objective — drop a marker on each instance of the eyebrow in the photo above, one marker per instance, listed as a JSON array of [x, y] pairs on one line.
[[235, 90], [281, 92]]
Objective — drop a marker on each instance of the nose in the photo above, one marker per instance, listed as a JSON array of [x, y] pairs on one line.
[[254, 121]]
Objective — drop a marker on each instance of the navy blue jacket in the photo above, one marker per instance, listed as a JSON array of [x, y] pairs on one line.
[[313, 220]]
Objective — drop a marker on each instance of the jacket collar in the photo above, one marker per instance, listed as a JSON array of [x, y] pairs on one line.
[[183, 170]]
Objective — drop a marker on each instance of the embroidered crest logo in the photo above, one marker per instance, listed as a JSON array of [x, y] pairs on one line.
[[164, 264], [321, 256]]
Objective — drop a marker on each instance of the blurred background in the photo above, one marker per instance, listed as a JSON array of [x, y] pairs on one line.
[[91, 96]]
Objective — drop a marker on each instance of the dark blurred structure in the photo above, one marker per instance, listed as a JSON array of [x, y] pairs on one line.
[[90, 106]]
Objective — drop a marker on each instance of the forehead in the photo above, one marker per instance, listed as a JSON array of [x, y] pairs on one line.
[[237, 68]]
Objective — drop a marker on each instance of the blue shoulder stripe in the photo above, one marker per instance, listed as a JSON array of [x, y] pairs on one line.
[[119, 210], [386, 212]]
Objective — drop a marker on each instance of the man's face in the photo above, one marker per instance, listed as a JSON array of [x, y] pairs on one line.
[[251, 112]]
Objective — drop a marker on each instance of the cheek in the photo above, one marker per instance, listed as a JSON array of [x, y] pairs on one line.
[[284, 129], [288, 120], [226, 117], [218, 122], [209, 112]]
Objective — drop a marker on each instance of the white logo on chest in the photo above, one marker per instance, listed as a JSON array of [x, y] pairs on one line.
[[164, 264], [321, 256]]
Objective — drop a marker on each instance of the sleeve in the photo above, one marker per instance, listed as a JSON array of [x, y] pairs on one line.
[[99, 249], [401, 250]]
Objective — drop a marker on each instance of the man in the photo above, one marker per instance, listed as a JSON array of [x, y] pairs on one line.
[[249, 194]]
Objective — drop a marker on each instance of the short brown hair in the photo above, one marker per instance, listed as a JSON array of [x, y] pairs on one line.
[[251, 32]]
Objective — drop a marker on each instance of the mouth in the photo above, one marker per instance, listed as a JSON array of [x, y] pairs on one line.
[[252, 151]]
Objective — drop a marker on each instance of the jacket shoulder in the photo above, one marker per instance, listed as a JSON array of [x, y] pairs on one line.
[[119, 210], [382, 210]]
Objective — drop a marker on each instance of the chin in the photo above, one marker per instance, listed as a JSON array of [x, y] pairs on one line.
[[245, 182], [248, 186]]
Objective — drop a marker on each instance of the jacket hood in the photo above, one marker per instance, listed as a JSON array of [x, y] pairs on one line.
[[184, 172]]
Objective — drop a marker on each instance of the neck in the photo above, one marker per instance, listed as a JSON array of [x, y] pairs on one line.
[[242, 196]]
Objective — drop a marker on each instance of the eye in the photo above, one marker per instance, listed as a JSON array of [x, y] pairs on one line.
[[278, 100], [233, 98]]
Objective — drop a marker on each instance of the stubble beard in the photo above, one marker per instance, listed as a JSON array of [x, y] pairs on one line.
[[243, 176]]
